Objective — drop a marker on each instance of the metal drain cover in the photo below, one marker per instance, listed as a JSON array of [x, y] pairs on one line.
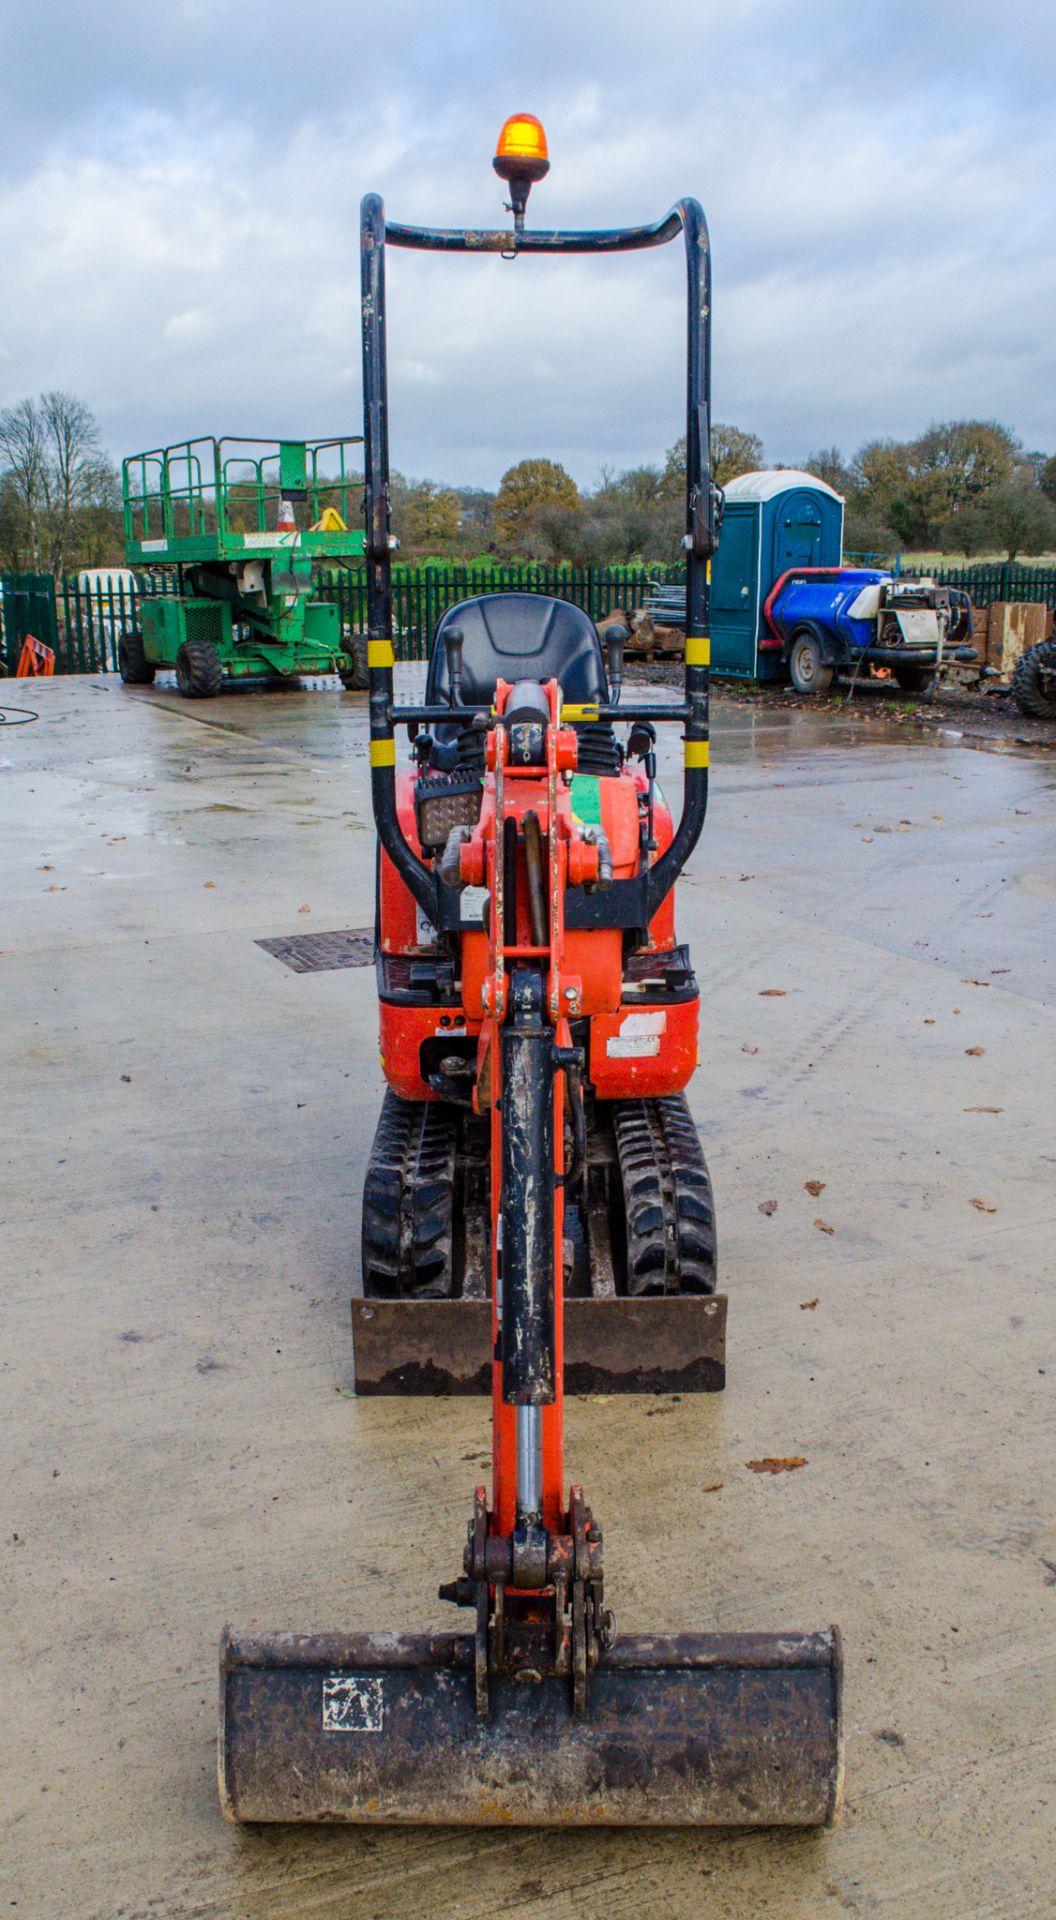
[[323, 952]]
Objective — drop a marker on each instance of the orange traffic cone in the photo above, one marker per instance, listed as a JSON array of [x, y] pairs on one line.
[[286, 522]]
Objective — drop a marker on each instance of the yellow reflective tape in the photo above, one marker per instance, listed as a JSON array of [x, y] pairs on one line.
[[380, 654], [696, 753], [698, 650], [383, 753], [707, 574], [579, 713]]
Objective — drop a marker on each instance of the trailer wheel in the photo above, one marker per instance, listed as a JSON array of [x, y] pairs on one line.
[[914, 679], [199, 673], [354, 676], [1034, 682], [132, 663], [810, 673]]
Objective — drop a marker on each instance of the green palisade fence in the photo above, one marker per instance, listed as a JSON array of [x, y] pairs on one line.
[[27, 605], [1009, 581], [420, 595], [94, 622], [85, 627]]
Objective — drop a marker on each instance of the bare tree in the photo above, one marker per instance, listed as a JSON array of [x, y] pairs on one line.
[[24, 452], [57, 487], [72, 469]]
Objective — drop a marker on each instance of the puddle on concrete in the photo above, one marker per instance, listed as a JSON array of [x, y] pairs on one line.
[[318, 721]]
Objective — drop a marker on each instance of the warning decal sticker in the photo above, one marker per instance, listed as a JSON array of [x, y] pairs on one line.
[[638, 1037], [352, 1704]]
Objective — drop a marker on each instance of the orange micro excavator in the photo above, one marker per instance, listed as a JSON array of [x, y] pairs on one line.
[[536, 1185]]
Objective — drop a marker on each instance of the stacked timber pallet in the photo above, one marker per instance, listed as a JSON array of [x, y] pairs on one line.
[[1001, 633], [656, 630]]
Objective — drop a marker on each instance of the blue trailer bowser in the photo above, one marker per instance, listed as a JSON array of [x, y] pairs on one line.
[[783, 606]]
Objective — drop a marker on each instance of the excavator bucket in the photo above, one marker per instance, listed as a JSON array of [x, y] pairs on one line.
[[693, 1730]]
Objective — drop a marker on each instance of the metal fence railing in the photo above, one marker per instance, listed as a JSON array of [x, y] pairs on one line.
[[1008, 580], [84, 621], [27, 605], [420, 595]]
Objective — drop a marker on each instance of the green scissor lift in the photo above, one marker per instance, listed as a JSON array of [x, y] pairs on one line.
[[230, 531]]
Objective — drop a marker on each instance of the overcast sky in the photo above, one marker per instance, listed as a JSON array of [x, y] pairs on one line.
[[179, 214]]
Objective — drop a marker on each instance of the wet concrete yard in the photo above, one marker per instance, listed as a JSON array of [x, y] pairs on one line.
[[871, 914]]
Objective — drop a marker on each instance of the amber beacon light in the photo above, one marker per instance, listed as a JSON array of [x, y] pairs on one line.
[[520, 159]]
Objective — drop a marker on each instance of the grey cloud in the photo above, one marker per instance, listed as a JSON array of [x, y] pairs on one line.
[[182, 181]]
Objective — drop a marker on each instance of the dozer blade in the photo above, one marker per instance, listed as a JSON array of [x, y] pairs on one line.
[[691, 1730], [666, 1344]]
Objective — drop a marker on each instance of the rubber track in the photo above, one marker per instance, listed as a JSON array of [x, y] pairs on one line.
[[667, 1194], [407, 1202]]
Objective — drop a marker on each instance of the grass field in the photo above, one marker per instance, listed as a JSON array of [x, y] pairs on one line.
[[913, 561]]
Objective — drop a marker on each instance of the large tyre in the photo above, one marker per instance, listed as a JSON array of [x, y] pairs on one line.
[[199, 673], [132, 663], [810, 672], [354, 676], [914, 679], [1034, 682]]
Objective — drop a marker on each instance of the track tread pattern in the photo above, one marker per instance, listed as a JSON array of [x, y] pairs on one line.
[[408, 1200], [668, 1198]]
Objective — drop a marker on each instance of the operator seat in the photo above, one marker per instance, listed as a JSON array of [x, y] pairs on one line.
[[524, 636]]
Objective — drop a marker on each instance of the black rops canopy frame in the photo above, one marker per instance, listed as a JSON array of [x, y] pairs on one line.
[[629, 903]]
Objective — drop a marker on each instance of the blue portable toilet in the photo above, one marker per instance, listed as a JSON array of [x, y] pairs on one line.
[[774, 520]]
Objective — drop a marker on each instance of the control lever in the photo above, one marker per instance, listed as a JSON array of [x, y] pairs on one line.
[[453, 638], [614, 639], [641, 745]]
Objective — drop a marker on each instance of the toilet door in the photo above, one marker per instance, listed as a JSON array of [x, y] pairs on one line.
[[797, 533], [733, 594]]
